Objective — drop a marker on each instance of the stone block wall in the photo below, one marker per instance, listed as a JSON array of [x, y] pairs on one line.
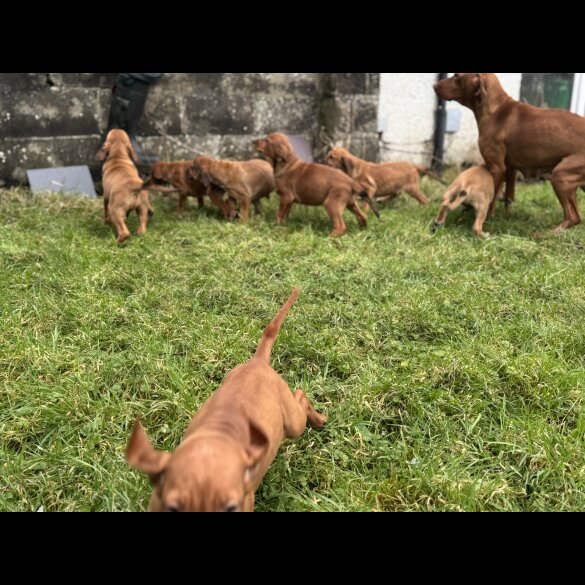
[[57, 119]]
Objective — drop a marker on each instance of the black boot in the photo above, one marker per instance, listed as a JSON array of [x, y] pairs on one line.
[[128, 100]]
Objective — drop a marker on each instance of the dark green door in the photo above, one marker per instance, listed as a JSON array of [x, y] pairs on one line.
[[547, 90]]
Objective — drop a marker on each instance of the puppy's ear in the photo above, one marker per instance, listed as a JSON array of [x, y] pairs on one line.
[[255, 450], [142, 456], [191, 173], [281, 150], [480, 86], [133, 155], [347, 166], [102, 153]]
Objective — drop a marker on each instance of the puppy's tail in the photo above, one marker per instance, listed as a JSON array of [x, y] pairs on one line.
[[429, 173], [148, 186], [365, 197], [271, 332]]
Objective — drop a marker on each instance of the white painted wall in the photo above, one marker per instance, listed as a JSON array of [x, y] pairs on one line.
[[407, 118], [578, 101]]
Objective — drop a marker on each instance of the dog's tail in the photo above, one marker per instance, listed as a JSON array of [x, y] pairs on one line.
[[148, 186], [271, 332], [429, 173], [365, 197]]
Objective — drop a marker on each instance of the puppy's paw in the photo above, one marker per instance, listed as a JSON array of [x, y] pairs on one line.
[[319, 422]]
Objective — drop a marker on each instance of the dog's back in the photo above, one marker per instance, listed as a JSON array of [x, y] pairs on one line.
[[119, 172], [260, 176], [123, 187], [472, 183]]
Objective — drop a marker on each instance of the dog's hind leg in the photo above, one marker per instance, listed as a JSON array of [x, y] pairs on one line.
[[142, 211], [451, 201], [117, 218], [482, 211], [417, 194], [361, 217], [335, 207]]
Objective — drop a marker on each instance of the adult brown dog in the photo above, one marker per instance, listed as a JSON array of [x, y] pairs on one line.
[[513, 135], [177, 174], [312, 184], [473, 187], [123, 187], [231, 442], [247, 182], [385, 180]]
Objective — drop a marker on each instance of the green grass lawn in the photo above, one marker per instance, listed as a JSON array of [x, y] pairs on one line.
[[452, 369]]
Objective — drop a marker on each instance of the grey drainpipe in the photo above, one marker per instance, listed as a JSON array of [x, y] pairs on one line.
[[440, 131]]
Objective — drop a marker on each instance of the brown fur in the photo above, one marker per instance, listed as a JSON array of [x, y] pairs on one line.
[[247, 182], [382, 181], [474, 187], [231, 442], [311, 184], [123, 187], [177, 175], [515, 136]]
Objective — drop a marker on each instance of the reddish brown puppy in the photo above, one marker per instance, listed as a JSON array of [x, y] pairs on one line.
[[382, 181], [177, 174], [513, 135], [123, 187], [473, 187], [247, 182], [231, 442], [312, 184]]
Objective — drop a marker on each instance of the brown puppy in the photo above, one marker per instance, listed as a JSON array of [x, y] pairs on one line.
[[231, 442], [385, 180], [177, 174], [474, 187], [247, 182], [513, 135], [312, 184], [123, 187]]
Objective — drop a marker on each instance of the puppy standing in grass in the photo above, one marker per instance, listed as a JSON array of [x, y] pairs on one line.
[[474, 187], [382, 181], [231, 442], [247, 182], [312, 184], [123, 187], [177, 174]]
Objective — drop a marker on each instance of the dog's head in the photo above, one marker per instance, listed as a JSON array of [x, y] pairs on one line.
[[117, 144], [158, 175], [208, 473], [201, 170], [275, 148], [261, 147], [341, 159], [469, 89]]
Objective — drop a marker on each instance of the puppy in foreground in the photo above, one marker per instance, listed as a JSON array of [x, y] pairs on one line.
[[473, 187], [123, 188], [231, 442]]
